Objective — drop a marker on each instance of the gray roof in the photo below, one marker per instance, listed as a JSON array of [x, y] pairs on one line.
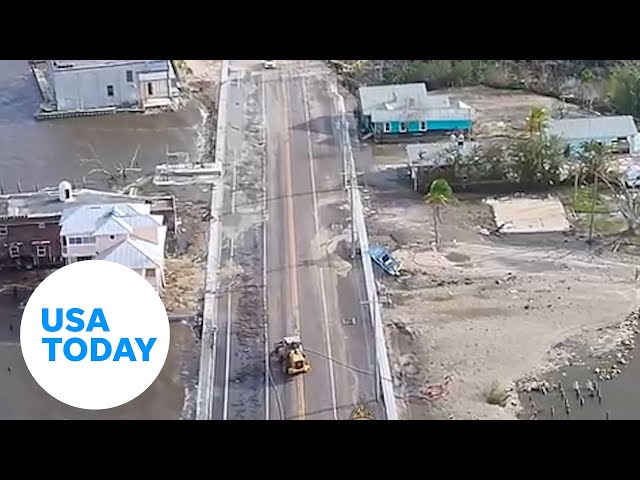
[[106, 219], [135, 253], [46, 203], [413, 115], [393, 97], [593, 128], [431, 154], [155, 65]]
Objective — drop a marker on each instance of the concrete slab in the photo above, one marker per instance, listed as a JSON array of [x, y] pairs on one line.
[[530, 215]]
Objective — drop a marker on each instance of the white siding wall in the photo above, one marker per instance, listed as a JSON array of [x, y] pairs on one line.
[[82, 89], [155, 281], [634, 144], [103, 242]]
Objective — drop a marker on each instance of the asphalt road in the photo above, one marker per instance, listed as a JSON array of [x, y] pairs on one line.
[[286, 227]]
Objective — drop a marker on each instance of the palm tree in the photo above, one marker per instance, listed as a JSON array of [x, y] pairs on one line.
[[595, 156], [537, 121], [440, 193]]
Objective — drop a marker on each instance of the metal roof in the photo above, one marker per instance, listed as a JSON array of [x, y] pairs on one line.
[[46, 202], [452, 113], [136, 253], [392, 97], [154, 65], [593, 127], [106, 219], [431, 154]]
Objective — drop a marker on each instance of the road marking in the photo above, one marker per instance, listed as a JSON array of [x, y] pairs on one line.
[[323, 293], [267, 347], [292, 237]]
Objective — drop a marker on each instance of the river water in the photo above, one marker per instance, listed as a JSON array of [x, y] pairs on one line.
[[43, 153], [46, 152]]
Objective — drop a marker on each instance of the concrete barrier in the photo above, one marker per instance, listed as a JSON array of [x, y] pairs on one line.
[[208, 345], [382, 355]]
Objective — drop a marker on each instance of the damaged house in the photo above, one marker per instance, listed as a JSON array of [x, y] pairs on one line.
[[124, 233], [391, 112], [30, 223], [86, 85]]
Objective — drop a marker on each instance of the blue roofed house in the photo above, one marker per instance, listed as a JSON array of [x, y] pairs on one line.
[[618, 132], [127, 234], [393, 111]]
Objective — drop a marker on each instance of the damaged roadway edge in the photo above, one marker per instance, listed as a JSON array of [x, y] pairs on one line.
[[382, 357], [207, 354]]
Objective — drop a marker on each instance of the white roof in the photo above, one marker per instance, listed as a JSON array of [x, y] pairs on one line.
[[136, 253], [109, 219], [393, 97], [605, 127]]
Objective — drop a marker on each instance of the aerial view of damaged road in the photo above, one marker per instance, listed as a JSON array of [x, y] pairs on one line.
[[346, 240]]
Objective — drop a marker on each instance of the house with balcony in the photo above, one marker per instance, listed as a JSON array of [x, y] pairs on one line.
[[91, 86], [128, 234], [393, 112], [30, 221]]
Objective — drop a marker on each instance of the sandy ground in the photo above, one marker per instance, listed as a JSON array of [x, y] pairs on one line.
[[204, 70], [502, 113], [487, 311]]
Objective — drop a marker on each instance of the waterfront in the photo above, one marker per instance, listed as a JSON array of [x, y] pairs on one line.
[[42, 153], [45, 152]]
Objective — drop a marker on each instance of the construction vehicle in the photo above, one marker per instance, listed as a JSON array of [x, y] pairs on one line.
[[291, 353], [362, 412]]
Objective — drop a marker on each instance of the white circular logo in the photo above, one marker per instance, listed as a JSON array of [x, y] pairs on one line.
[[95, 334]]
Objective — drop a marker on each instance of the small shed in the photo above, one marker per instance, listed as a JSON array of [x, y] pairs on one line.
[[425, 160], [407, 109], [618, 131]]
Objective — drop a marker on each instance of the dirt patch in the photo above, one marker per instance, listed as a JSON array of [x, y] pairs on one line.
[[502, 113], [185, 265], [203, 70], [484, 312]]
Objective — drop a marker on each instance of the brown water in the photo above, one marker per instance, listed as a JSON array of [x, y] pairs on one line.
[[45, 152]]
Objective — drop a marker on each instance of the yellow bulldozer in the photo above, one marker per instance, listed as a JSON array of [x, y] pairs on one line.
[[362, 412], [291, 353]]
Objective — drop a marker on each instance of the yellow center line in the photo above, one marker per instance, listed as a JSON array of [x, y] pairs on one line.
[[292, 240]]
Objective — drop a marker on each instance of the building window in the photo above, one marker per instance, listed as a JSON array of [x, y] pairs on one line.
[[130, 76], [387, 127], [82, 259], [41, 225], [403, 127], [14, 250], [41, 250], [423, 126], [149, 273], [110, 90], [82, 240], [4, 230], [150, 88]]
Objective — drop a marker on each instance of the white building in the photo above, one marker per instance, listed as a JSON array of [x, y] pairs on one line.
[[617, 131], [83, 85], [127, 234]]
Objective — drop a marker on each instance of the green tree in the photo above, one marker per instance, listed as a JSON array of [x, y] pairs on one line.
[[440, 193], [537, 121], [595, 156], [537, 160], [624, 89]]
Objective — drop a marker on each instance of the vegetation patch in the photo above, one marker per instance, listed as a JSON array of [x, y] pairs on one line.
[[497, 395], [581, 201]]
